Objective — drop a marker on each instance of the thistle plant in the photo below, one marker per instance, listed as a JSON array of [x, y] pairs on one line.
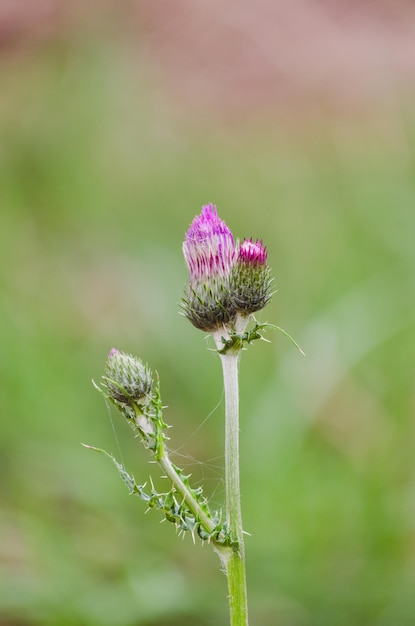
[[228, 282]]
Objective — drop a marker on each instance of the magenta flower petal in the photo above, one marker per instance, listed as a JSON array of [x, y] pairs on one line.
[[250, 252], [209, 247]]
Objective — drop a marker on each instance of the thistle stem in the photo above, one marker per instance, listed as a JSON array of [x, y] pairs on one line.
[[233, 506], [163, 459], [186, 494], [235, 564]]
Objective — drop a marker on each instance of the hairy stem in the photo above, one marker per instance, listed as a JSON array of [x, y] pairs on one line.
[[235, 564], [233, 505]]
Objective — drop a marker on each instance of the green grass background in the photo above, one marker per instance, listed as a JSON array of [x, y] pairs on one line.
[[100, 176]]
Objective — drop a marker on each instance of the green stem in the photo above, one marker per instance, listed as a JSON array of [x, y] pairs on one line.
[[235, 571], [235, 563], [186, 494], [233, 505], [163, 460]]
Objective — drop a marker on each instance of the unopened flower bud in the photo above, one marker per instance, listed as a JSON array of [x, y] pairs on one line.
[[127, 380], [250, 283], [210, 253]]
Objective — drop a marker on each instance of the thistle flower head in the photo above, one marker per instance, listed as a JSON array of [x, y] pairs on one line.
[[252, 253], [209, 247], [210, 253], [250, 283], [127, 380], [225, 279]]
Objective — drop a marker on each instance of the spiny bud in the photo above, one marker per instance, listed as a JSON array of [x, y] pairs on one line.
[[127, 380], [210, 253], [250, 282]]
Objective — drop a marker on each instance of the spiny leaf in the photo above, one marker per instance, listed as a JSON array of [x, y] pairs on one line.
[[126, 477]]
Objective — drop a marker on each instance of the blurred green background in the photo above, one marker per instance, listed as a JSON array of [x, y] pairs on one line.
[[102, 169]]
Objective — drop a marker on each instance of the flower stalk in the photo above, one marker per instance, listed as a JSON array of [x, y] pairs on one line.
[[235, 567], [228, 282]]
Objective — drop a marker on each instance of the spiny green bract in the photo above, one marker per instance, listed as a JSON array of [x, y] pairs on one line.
[[127, 380], [207, 305]]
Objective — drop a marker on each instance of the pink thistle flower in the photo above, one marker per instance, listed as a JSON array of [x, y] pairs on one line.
[[250, 284], [210, 253], [209, 247], [254, 253]]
